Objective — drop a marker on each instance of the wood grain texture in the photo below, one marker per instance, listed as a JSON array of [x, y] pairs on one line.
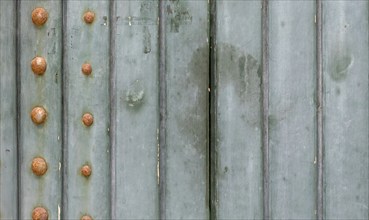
[[137, 103], [346, 115], [8, 112], [238, 138], [87, 43], [292, 110], [187, 63]]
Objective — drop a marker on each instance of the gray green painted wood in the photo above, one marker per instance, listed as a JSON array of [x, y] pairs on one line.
[[87, 145], [187, 62], [292, 110], [124, 94], [238, 138], [137, 107], [346, 69], [8, 112], [46, 91]]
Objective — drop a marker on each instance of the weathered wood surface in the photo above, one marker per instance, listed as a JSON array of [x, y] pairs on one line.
[[292, 109], [86, 43], [137, 107], [8, 112], [238, 132], [187, 63], [346, 109], [45, 90]]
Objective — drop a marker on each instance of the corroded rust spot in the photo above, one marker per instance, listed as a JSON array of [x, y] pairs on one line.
[[86, 69], [38, 65], [39, 16], [86, 171], [86, 217], [89, 17], [39, 166], [38, 115], [40, 213], [88, 119]]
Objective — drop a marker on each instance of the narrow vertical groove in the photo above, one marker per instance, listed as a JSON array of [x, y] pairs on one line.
[[213, 78], [265, 107], [18, 107], [64, 211], [163, 110], [319, 110], [62, 109], [113, 107]]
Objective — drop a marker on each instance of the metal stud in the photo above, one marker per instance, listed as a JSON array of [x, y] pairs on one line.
[[40, 213], [38, 115], [86, 171], [39, 16], [86, 217], [86, 69], [89, 17], [38, 65], [39, 166], [88, 119]]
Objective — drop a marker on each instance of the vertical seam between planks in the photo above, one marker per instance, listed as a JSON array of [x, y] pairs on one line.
[[64, 112], [163, 110], [319, 110], [213, 153], [113, 108], [62, 109], [18, 103], [265, 107]]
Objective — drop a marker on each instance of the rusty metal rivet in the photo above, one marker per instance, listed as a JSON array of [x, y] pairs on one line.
[[88, 119], [86, 217], [38, 115], [89, 17], [86, 69], [39, 166], [40, 213], [86, 171], [39, 16], [38, 65]]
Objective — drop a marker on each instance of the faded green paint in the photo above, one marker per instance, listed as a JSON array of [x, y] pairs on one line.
[[187, 62], [42, 140], [8, 111], [292, 110], [137, 110], [346, 113], [238, 138], [87, 42]]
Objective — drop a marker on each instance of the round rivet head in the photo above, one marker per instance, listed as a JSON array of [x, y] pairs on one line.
[[39, 166], [87, 119], [40, 213], [39, 16], [38, 65], [38, 115], [86, 217], [86, 171], [86, 69], [89, 17]]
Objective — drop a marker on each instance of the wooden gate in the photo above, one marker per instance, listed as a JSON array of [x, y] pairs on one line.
[[184, 109]]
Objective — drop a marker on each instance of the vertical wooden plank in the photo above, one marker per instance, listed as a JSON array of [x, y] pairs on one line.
[[238, 138], [136, 93], [87, 43], [187, 64], [292, 110], [346, 116], [8, 112], [44, 91]]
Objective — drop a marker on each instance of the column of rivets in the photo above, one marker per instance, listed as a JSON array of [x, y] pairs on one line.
[[38, 113], [87, 118]]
